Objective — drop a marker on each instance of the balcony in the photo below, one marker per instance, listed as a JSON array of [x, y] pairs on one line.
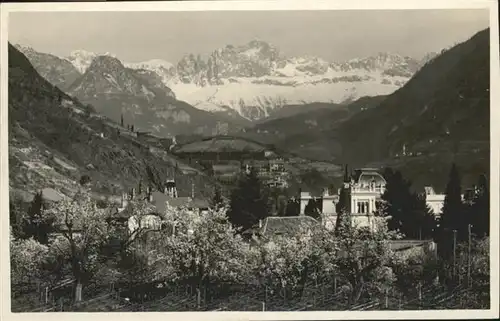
[[368, 189]]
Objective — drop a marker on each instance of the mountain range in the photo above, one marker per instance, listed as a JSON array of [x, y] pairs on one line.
[[435, 109], [438, 117], [136, 95], [251, 81], [256, 79]]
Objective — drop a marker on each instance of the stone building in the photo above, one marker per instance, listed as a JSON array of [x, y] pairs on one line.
[[364, 186], [124, 214]]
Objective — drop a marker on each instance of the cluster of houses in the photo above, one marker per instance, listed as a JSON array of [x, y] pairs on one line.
[[272, 172], [365, 188], [159, 201]]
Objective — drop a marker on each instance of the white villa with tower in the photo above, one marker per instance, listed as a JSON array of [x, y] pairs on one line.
[[365, 188]]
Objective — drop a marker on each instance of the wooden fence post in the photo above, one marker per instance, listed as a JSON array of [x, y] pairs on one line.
[[263, 306], [420, 295], [198, 297], [265, 294], [387, 298], [469, 258], [454, 255]]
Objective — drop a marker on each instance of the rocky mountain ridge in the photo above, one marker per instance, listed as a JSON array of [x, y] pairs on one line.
[[255, 79]]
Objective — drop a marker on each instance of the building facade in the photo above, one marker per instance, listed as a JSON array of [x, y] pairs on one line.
[[364, 187], [434, 201]]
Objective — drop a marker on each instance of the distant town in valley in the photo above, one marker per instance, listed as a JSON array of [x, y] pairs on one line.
[[244, 177]]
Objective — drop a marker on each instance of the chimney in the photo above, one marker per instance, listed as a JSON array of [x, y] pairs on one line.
[[260, 223], [124, 200], [346, 174]]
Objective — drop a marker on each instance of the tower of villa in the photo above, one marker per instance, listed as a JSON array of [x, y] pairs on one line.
[[364, 187], [365, 190]]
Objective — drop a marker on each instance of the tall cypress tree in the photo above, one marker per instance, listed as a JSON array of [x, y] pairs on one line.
[[249, 202], [343, 206], [397, 200], [422, 223], [217, 201], [407, 211], [121, 120], [453, 216]]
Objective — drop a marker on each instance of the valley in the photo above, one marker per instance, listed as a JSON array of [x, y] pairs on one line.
[[304, 106], [310, 160]]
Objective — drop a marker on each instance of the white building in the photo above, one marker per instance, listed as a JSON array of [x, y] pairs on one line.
[[365, 187], [328, 202], [434, 201]]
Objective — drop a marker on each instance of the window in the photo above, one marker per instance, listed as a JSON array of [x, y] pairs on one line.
[[362, 207]]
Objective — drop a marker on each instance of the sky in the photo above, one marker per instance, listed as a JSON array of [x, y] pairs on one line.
[[334, 35]]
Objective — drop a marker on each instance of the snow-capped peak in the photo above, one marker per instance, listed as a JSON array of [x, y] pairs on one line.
[[82, 59], [164, 69], [150, 64]]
